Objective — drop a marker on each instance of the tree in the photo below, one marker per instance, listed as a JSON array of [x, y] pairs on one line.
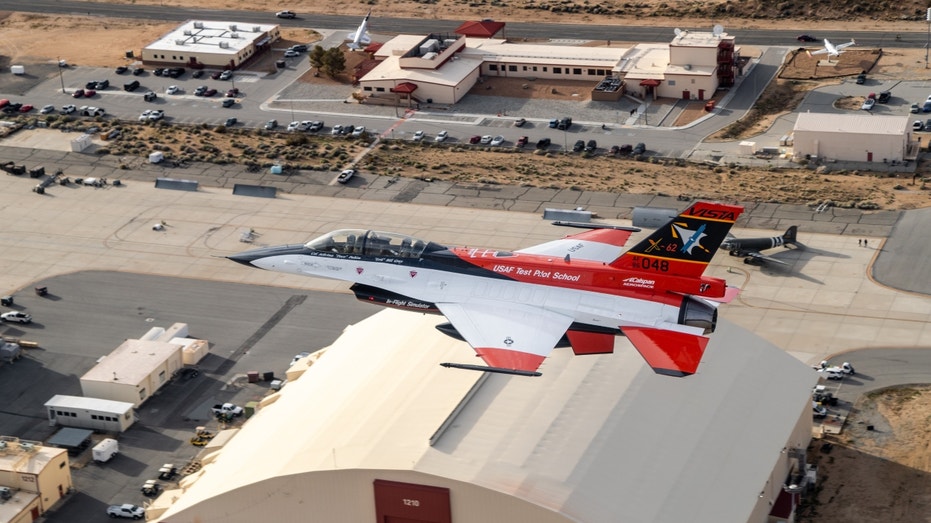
[[333, 61], [316, 56]]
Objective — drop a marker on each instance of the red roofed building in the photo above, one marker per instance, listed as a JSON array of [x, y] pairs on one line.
[[483, 29]]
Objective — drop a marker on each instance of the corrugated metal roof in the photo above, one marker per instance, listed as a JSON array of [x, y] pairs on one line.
[[860, 123], [596, 438]]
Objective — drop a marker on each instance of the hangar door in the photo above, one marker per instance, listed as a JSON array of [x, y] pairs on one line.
[[397, 502]]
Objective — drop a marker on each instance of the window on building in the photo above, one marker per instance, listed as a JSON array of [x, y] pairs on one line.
[[492, 67], [380, 89], [512, 68], [577, 70], [672, 83], [592, 72], [534, 68], [161, 377], [544, 69], [93, 416], [557, 70], [366, 88], [142, 393], [693, 80], [72, 414]]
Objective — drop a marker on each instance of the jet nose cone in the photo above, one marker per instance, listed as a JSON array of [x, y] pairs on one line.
[[245, 258]]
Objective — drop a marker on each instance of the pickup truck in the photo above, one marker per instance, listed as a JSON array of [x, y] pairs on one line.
[[227, 409]]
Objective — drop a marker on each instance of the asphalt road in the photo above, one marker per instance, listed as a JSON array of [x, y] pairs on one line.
[[515, 30]]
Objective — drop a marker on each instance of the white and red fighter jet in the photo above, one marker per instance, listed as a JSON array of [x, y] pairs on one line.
[[514, 307]]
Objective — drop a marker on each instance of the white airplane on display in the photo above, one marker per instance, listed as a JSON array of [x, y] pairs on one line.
[[361, 37], [831, 49], [515, 307]]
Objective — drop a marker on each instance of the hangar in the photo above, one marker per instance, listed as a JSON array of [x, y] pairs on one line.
[[387, 434], [861, 137], [226, 45]]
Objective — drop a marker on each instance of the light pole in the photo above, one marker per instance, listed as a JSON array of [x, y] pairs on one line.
[[61, 75], [292, 110], [927, 45]]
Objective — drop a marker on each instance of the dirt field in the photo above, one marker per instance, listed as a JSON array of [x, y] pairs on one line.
[[880, 475]]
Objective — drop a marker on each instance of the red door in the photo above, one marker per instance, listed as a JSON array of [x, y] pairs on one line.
[[397, 502], [869, 156], [686, 95], [701, 94]]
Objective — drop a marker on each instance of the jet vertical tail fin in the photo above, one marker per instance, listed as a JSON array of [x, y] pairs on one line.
[[789, 236], [685, 245]]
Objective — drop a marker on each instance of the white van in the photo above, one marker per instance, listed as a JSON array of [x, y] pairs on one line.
[[105, 450], [833, 373]]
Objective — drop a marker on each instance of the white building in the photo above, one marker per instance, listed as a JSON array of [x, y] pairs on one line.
[[386, 433], [212, 44], [860, 137], [90, 413]]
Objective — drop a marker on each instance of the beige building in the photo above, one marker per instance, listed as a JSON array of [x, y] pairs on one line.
[[34, 477], [133, 371], [860, 137], [224, 45], [442, 68], [376, 430]]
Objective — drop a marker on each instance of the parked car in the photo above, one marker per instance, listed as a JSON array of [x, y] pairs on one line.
[[590, 146], [201, 89], [215, 75], [137, 71], [441, 136], [579, 146], [554, 122], [226, 74], [315, 126], [126, 511], [68, 109], [145, 115], [336, 130], [271, 124], [915, 108], [486, 139], [131, 86], [358, 131], [89, 93], [26, 108], [884, 97], [346, 175], [231, 121], [615, 150], [806, 38], [543, 143], [149, 96], [156, 114], [918, 125], [210, 92], [197, 73], [522, 141], [418, 136], [290, 53], [861, 78], [91, 85], [46, 109], [627, 149], [286, 14], [121, 69], [228, 102], [4, 102], [817, 410], [475, 139], [497, 140], [158, 71], [175, 72], [78, 93], [293, 126], [301, 48], [928, 125], [926, 108], [640, 148], [868, 104], [232, 93], [101, 85], [173, 89], [564, 124], [16, 317], [520, 122]]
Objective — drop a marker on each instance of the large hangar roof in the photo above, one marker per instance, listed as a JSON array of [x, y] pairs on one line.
[[596, 438]]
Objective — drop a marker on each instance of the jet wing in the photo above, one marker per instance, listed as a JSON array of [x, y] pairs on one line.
[[756, 255], [507, 336], [844, 46], [600, 245]]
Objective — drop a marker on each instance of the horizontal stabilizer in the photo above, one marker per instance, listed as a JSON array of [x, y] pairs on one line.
[[668, 352], [588, 225]]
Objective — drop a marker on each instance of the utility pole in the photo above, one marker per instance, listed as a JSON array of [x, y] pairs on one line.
[[927, 45], [62, 77]]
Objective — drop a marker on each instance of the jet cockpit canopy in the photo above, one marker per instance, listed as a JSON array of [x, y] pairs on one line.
[[361, 242]]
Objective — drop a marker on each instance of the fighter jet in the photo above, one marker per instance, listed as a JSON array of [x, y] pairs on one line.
[[360, 38], [749, 248], [514, 307], [831, 49]]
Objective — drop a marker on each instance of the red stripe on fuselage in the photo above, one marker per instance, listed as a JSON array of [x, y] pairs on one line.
[[591, 276]]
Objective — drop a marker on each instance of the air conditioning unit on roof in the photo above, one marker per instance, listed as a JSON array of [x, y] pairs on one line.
[[188, 32], [234, 35], [232, 27], [198, 25], [179, 41], [224, 45], [256, 29]]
